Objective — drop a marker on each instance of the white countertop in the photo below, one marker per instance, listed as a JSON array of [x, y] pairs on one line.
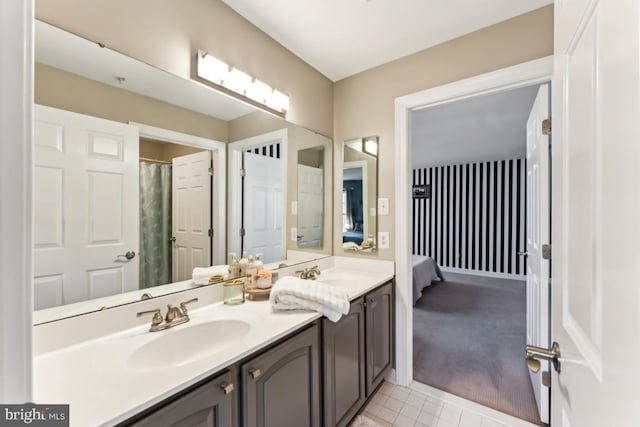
[[103, 386]]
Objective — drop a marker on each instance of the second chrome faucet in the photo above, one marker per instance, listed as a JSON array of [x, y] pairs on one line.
[[175, 316]]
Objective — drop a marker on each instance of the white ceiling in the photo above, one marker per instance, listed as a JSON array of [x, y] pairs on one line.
[[344, 37], [482, 128], [60, 49]]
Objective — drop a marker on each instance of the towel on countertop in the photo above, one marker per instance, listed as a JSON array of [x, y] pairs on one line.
[[201, 275], [293, 293]]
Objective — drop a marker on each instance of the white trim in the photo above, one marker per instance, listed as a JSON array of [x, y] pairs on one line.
[[484, 273], [16, 278], [365, 192], [528, 73], [218, 204], [235, 183]]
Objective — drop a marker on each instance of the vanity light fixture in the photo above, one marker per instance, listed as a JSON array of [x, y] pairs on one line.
[[241, 85]]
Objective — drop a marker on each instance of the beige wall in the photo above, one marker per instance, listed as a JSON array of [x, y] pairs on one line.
[[67, 91], [364, 103], [164, 151], [168, 33], [298, 138]]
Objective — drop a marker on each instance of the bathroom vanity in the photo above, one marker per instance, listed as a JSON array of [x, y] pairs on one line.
[[244, 365]]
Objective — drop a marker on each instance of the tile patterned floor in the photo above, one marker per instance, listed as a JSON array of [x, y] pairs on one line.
[[403, 407]]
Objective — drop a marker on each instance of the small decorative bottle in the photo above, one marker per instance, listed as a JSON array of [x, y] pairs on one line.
[[234, 267], [250, 281], [257, 263], [244, 261]]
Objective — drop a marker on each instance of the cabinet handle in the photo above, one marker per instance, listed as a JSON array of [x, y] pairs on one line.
[[255, 373], [227, 388], [371, 300]]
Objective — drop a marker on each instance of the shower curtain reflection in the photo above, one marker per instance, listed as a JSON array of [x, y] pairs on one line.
[[155, 224]]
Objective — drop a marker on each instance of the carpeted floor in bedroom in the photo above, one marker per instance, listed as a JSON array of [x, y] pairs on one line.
[[469, 339]]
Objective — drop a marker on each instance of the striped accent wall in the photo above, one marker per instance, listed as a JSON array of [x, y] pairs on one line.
[[271, 150], [475, 217]]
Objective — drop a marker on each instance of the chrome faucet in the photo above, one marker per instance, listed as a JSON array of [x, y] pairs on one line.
[[309, 273], [175, 316]]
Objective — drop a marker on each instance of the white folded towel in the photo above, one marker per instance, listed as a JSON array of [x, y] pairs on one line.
[[293, 293], [201, 275]]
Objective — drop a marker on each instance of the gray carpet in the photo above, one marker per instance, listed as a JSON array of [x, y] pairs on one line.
[[468, 340]]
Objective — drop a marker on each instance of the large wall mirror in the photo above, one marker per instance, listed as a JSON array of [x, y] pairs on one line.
[[360, 195], [141, 176]]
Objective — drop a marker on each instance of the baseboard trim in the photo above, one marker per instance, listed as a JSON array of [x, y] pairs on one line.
[[485, 411], [484, 273]]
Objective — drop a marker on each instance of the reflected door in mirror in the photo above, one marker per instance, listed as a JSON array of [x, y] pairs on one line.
[[85, 205], [191, 220]]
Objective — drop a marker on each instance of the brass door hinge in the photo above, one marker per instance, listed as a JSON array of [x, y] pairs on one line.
[[546, 251], [211, 232], [243, 172], [546, 127]]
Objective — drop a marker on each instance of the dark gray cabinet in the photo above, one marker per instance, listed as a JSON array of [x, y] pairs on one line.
[[210, 405], [379, 341], [343, 346], [358, 353], [281, 387]]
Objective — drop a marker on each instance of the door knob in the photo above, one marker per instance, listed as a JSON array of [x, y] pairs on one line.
[[523, 253], [173, 239], [129, 255], [534, 354]]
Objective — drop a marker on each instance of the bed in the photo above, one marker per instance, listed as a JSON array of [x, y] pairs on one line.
[[425, 270]]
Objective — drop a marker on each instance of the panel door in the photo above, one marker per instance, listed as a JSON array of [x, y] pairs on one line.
[[210, 405], [379, 342], [85, 204], [190, 213], [281, 387], [344, 365], [263, 204], [310, 198], [538, 235], [596, 211]]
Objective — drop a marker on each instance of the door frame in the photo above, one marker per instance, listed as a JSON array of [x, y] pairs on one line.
[[16, 258], [235, 183], [517, 76], [219, 185]]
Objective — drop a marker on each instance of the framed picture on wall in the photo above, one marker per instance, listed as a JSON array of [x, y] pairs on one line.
[[421, 191]]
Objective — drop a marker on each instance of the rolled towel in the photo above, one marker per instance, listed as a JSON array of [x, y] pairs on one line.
[[201, 275], [293, 293]]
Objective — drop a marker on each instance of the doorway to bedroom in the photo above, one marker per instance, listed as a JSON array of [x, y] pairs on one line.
[[480, 182]]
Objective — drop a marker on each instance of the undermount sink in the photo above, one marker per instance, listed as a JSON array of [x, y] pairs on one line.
[[187, 343]]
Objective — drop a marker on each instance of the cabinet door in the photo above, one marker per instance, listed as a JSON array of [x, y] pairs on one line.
[[379, 335], [344, 365], [281, 387], [209, 405]]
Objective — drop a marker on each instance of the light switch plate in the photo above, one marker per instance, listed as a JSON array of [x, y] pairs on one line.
[[294, 234], [383, 206], [383, 239], [294, 208]]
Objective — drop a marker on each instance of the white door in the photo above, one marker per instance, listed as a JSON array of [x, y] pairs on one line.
[[310, 195], [190, 214], [538, 235], [263, 211], [85, 204], [596, 213]]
